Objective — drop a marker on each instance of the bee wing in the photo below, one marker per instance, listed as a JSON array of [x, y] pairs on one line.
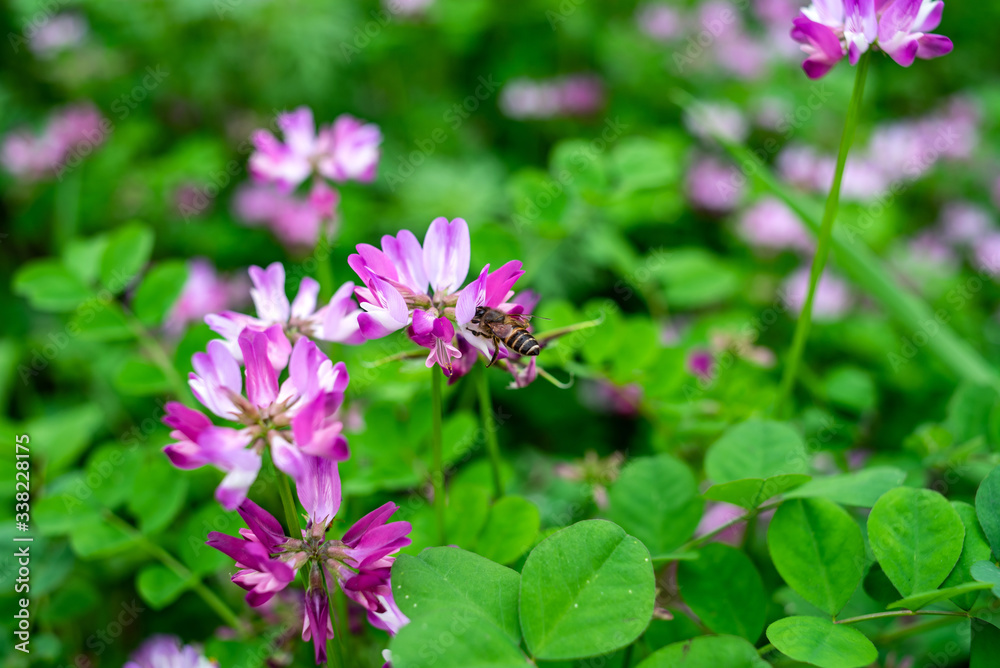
[[501, 329]]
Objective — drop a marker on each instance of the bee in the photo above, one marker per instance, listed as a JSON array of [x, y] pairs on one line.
[[511, 329]]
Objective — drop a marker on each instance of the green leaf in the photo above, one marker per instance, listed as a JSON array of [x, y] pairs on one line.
[[159, 586], [60, 514], [587, 589], [137, 377], [99, 321], [725, 590], [851, 388], [751, 492], [128, 251], [83, 257], [987, 572], [190, 543], [695, 278], [510, 529], [917, 538], [656, 500], [468, 508], [985, 647], [707, 652], [111, 470], [644, 163], [59, 438], [756, 449], [158, 494], [158, 292], [455, 638], [862, 488], [449, 578], [50, 286], [818, 550], [974, 548], [923, 599], [988, 508], [97, 539], [821, 642]]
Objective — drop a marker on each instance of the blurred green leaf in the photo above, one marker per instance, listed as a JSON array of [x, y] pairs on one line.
[[723, 587], [128, 251], [159, 586], [49, 286], [860, 488], [158, 493], [510, 529], [707, 652], [158, 292], [141, 378]]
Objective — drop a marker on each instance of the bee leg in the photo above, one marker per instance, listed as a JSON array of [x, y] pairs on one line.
[[496, 352]]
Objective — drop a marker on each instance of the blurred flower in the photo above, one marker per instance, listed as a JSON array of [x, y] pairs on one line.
[[58, 33], [574, 95], [964, 223], [204, 292], [987, 254], [298, 419], [607, 397], [699, 363], [832, 298], [407, 7], [298, 222], [771, 224], [709, 120], [830, 29], [72, 131], [360, 562], [742, 55], [718, 514], [163, 651], [337, 321], [595, 471], [349, 149], [191, 200], [660, 21], [714, 186]]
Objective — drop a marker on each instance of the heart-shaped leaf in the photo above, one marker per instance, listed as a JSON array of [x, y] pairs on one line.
[[756, 449], [821, 642]]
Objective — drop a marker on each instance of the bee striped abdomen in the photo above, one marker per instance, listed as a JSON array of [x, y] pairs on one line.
[[523, 343]]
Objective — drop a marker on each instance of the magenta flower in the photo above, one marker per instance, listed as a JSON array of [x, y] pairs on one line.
[[574, 95], [68, 131], [337, 321], [360, 562], [771, 224], [347, 150], [831, 301], [829, 29], [297, 419], [163, 651], [715, 186], [58, 33], [297, 221]]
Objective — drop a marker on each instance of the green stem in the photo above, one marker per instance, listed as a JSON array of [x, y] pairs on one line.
[[180, 570], [489, 426], [287, 502], [437, 473], [900, 613], [324, 273], [761, 651], [913, 630], [825, 235], [159, 357], [750, 514], [67, 207]]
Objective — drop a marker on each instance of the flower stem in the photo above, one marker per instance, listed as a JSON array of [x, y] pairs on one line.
[[437, 474], [181, 571], [324, 274], [287, 501], [489, 426], [900, 613], [825, 235], [159, 357]]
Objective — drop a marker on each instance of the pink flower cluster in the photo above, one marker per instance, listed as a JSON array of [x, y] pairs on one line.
[[360, 562], [420, 287], [277, 391], [574, 95], [72, 131], [205, 292], [346, 150], [830, 29], [163, 651]]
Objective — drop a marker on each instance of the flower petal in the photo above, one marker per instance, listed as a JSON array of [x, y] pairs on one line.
[[447, 250], [268, 292]]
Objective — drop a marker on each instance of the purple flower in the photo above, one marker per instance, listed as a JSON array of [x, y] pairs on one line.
[[831, 301], [574, 95], [163, 651], [718, 514], [204, 292], [709, 121], [660, 21], [59, 33], [964, 223], [771, 224], [297, 419], [69, 130], [699, 363], [347, 150], [296, 221], [829, 29], [360, 562], [337, 321], [714, 186]]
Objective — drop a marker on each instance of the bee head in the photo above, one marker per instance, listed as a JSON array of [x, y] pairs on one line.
[[481, 311]]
